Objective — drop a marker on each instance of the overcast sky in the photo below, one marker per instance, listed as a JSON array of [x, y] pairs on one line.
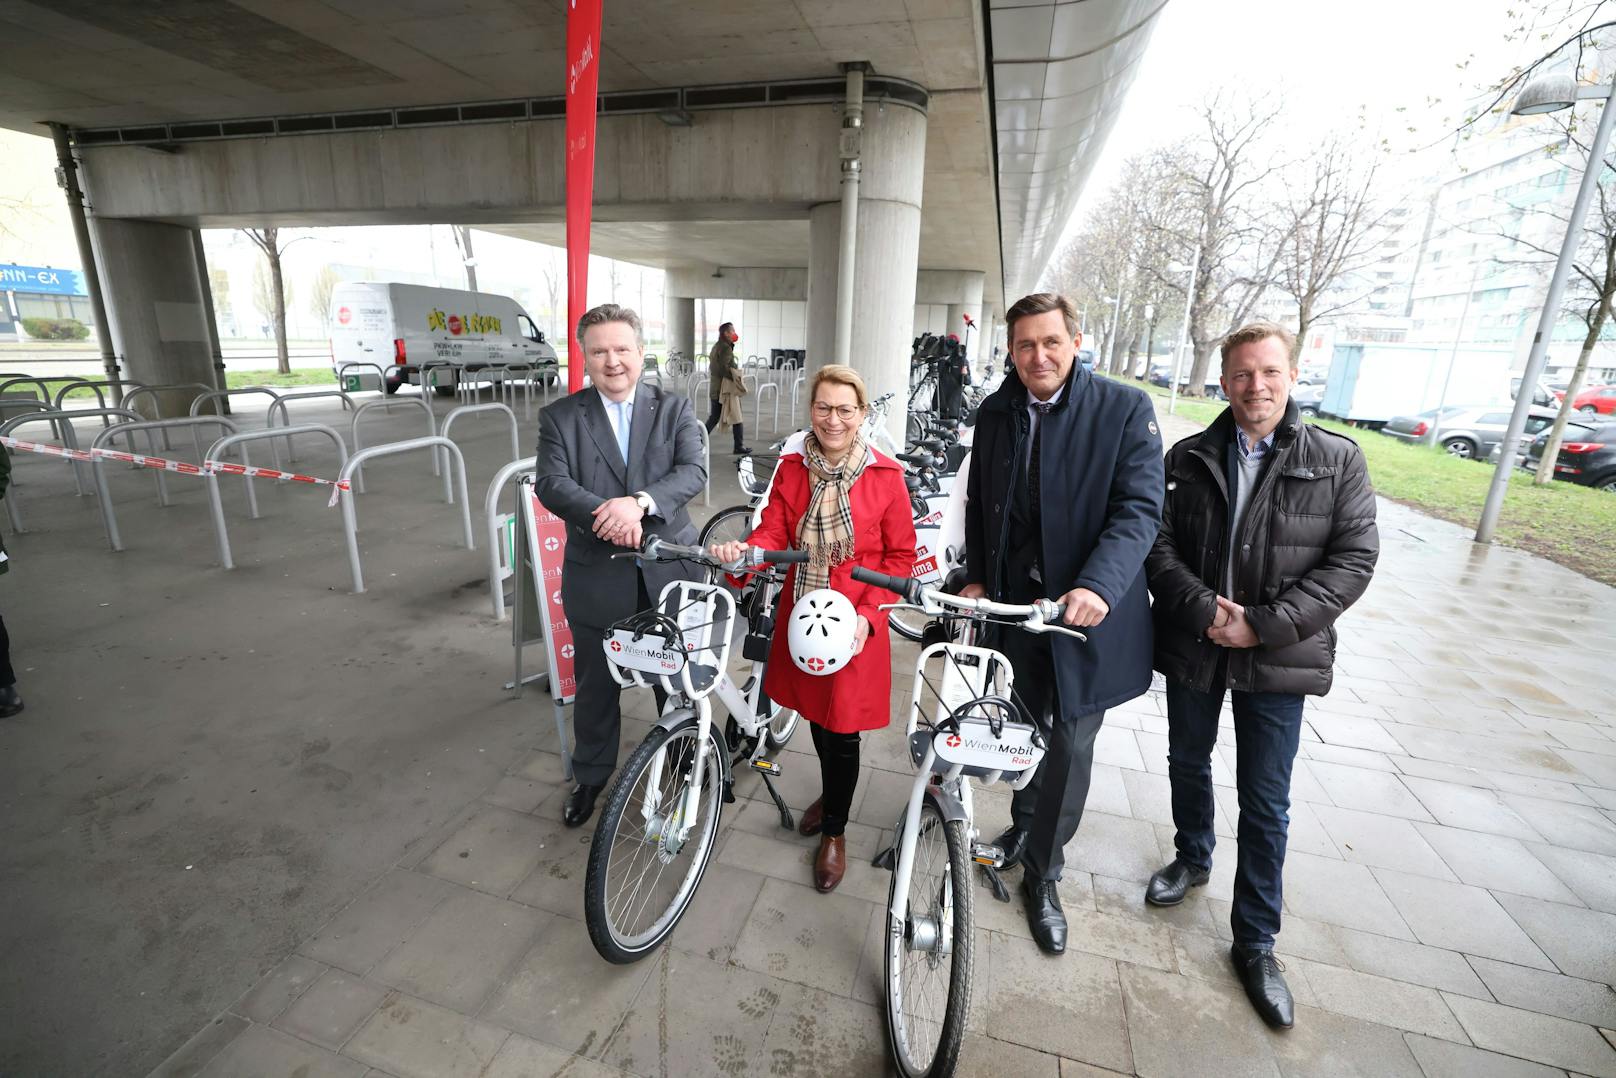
[[1325, 61]]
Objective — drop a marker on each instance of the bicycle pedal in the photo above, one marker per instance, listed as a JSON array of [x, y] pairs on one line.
[[984, 854], [768, 767]]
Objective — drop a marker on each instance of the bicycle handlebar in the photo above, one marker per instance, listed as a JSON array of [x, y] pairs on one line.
[[1042, 616], [659, 549]]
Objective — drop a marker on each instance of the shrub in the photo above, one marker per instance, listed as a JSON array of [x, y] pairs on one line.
[[55, 329]]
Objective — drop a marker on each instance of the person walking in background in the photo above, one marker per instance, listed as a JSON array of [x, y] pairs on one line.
[[10, 701], [617, 460], [724, 386], [1268, 535]]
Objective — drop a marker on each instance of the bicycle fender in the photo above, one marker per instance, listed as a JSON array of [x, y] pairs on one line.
[[947, 804], [679, 717]]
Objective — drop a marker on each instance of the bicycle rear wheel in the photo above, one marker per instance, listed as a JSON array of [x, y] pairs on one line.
[[731, 525], [646, 858], [929, 957]]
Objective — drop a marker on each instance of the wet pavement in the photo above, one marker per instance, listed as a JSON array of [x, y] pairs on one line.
[[1450, 887]]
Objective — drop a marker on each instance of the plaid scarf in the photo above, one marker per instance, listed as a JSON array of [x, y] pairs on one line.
[[826, 528]]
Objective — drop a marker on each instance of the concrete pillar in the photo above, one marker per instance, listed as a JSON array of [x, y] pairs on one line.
[[680, 311], [888, 250], [155, 304], [970, 303]]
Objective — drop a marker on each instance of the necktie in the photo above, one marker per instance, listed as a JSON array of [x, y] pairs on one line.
[[1035, 482], [622, 430]]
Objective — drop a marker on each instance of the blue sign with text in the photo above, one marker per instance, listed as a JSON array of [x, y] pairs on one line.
[[42, 279]]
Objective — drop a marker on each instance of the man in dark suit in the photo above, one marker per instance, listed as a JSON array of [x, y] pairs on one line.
[[617, 461], [1063, 501]]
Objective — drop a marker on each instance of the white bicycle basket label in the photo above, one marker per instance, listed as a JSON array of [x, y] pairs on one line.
[[649, 654], [975, 746]]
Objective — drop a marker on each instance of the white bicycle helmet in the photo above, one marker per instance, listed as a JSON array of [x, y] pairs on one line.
[[823, 624]]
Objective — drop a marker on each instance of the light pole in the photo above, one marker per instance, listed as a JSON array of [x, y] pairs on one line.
[[1548, 94], [1183, 330]]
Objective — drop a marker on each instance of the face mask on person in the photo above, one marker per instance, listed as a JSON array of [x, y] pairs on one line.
[[734, 338]]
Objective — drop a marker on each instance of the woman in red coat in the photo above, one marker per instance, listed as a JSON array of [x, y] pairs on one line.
[[847, 505]]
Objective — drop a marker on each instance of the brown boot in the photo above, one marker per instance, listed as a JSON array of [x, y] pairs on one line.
[[831, 863], [812, 818]]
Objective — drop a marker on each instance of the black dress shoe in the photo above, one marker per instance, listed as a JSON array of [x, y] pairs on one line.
[[580, 805], [1169, 885], [1263, 977], [1044, 915], [1013, 843], [742, 450], [10, 701]]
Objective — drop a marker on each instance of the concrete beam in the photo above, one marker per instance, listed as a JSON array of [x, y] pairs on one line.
[[739, 282]]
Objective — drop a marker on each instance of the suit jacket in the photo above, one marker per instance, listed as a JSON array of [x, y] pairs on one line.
[[579, 467], [1101, 478]]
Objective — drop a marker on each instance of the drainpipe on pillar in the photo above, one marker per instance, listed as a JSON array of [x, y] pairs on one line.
[[67, 178], [206, 287], [851, 149]]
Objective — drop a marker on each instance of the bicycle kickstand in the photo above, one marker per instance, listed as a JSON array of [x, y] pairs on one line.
[[787, 821], [1000, 891]]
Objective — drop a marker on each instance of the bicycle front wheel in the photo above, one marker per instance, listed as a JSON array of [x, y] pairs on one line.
[[653, 842], [929, 955]]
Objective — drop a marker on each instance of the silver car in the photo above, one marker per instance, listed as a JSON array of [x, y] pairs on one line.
[[1469, 433]]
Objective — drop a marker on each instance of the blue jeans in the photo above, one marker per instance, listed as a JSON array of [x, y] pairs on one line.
[[1267, 727]]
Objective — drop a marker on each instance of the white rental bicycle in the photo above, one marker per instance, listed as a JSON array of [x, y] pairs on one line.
[[964, 724], [657, 828]]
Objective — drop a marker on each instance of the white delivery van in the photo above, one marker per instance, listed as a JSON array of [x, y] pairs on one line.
[[400, 327]]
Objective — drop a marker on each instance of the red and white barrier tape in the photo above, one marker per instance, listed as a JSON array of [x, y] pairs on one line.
[[218, 467]]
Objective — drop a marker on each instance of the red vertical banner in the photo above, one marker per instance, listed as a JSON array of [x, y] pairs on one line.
[[547, 539], [583, 80]]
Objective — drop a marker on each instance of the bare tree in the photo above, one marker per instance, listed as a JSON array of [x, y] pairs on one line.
[[553, 272], [1330, 225], [267, 240], [1224, 175], [320, 295], [462, 236]]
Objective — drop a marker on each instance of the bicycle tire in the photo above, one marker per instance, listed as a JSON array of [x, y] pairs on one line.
[[958, 893], [733, 523], [909, 624], [782, 722], [613, 944]]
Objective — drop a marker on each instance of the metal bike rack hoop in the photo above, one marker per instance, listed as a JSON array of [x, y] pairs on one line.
[[350, 524], [471, 409], [103, 493], [491, 517], [239, 441]]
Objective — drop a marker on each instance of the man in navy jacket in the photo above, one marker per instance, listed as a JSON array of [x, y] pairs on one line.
[[1063, 502]]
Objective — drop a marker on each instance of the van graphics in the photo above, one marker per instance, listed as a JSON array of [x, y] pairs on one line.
[[457, 324]]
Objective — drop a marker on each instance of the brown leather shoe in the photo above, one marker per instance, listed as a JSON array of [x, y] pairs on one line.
[[812, 818], [831, 863]]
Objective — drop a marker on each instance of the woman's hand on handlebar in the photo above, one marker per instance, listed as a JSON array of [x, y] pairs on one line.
[[729, 553]]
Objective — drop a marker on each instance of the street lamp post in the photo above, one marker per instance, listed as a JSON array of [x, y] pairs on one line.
[[1548, 94], [1183, 332]]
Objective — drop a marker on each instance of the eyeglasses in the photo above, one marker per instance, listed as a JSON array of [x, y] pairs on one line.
[[844, 412]]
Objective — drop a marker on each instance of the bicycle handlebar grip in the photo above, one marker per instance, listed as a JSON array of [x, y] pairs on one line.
[[905, 586], [783, 557]]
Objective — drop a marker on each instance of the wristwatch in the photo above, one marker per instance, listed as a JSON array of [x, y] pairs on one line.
[[643, 500]]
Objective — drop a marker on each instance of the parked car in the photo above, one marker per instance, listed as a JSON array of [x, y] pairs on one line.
[[1542, 397], [1161, 374], [1587, 454], [1307, 398], [1469, 433], [1085, 356], [1596, 400]]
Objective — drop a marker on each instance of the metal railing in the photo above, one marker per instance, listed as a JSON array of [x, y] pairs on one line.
[[493, 519], [156, 409], [286, 417], [472, 409], [240, 441], [429, 379], [757, 410], [381, 378], [60, 423], [98, 384], [350, 524], [103, 493], [409, 402]]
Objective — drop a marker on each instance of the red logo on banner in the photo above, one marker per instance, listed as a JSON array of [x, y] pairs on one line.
[[583, 79], [344, 315]]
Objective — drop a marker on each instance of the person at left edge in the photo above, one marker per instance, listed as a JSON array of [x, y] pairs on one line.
[[617, 460]]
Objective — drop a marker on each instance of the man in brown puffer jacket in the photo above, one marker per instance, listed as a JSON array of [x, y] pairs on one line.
[[1268, 535]]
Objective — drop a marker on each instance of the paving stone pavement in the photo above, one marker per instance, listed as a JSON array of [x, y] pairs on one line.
[[1450, 893]]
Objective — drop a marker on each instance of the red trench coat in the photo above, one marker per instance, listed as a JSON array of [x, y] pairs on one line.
[[860, 696]]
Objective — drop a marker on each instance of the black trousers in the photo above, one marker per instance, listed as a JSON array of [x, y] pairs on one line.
[[712, 421], [838, 773], [1050, 807], [597, 714], [7, 675]]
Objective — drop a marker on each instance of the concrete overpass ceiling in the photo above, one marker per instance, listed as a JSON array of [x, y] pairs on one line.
[[699, 245], [1060, 72]]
